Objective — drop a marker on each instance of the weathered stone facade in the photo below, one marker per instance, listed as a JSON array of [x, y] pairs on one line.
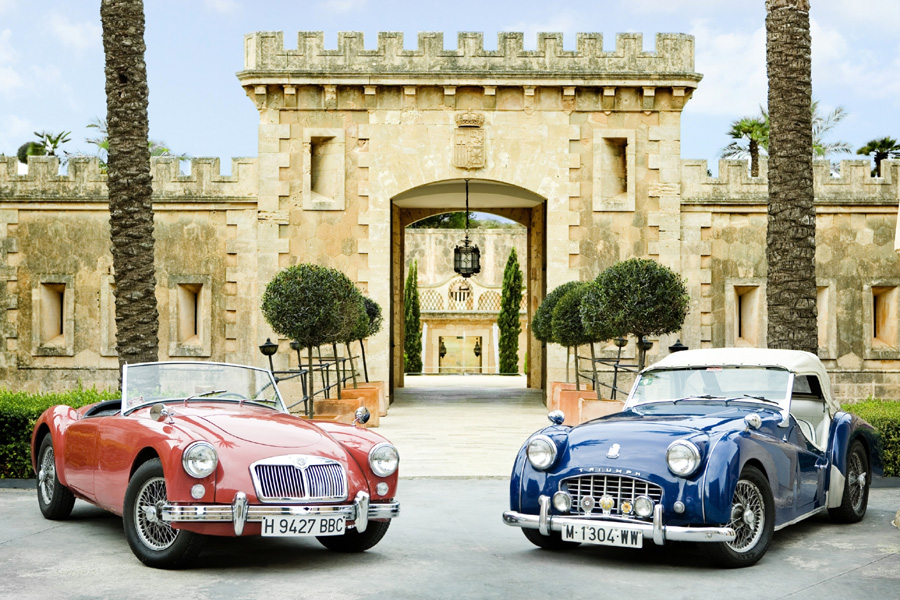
[[582, 147]]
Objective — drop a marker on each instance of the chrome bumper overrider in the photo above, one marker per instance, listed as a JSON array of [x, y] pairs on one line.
[[240, 511], [545, 522]]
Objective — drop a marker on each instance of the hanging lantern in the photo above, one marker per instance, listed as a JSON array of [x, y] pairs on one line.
[[467, 258]]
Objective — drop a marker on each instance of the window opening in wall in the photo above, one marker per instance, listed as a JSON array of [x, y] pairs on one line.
[[746, 320], [189, 313], [823, 307], [53, 313], [326, 163], [884, 316]]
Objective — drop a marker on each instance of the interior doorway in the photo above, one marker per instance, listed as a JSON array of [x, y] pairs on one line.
[[459, 338]]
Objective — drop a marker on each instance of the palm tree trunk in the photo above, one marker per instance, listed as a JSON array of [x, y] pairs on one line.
[[754, 158], [130, 190], [791, 234]]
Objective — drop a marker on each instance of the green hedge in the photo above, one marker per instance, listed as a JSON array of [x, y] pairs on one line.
[[884, 415], [19, 411]]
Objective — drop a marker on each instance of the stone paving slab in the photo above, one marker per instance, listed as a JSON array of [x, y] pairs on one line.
[[462, 425]]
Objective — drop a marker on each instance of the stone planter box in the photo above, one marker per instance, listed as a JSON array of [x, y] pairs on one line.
[[381, 386], [368, 397]]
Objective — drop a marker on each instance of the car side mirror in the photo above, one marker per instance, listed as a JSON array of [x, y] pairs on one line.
[[753, 421], [361, 415], [159, 413], [556, 417]]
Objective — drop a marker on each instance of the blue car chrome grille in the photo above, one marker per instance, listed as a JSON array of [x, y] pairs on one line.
[[311, 483], [618, 487]]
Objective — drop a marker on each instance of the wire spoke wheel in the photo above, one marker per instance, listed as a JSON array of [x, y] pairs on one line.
[[748, 516], [856, 480], [153, 531], [47, 475]]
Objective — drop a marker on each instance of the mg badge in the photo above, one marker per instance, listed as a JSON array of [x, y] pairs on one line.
[[613, 451], [300, 462]]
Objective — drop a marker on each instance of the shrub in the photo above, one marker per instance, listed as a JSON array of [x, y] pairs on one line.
[[885, 416], [637, 296], [19, 411], [542, 322], [311, 304], [508, 320], [412, 323]]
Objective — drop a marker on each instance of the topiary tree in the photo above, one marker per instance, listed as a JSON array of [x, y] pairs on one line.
[[313, 305], [637, 296], [567, 326], [508, 321], [412, 330], [376, 320], [542, 322]]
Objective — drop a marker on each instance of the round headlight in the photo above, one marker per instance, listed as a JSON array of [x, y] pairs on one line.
[[683, 458], [643, 506], [200, 459], [541, 452], [384, 459], [562, 502]]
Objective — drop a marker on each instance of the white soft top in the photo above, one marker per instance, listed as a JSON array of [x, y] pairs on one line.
[[796, 361]]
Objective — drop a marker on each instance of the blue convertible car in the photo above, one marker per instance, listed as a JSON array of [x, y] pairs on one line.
[[720, 446]]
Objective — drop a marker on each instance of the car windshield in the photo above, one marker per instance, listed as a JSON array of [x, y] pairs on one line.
[[759, 384], [148, 383]]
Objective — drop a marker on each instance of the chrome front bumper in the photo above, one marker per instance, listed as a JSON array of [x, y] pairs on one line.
[[545, 523], [240, 512]]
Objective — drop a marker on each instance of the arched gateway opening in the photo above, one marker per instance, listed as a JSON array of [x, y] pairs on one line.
[[502, 199]]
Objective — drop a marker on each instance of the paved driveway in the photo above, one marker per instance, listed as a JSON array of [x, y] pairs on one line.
[[449, 542]]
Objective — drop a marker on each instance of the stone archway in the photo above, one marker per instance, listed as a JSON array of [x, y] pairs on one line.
[[515, 203]]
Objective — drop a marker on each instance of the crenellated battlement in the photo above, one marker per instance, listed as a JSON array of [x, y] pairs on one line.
[[265, 54], [734, 184], [85, 181]]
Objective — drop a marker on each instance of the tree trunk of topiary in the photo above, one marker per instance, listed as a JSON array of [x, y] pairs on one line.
[[508, 320], [791, 233], [130, 191]]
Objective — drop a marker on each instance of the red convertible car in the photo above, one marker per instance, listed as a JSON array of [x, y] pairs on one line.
[[199, 449]]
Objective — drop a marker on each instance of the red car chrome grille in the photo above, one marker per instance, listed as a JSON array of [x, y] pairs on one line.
[[318, 482], [618, 487]]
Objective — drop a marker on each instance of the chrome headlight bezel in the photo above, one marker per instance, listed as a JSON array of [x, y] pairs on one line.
[[683, 458], [541, 452], [200, 459], [384, 459]]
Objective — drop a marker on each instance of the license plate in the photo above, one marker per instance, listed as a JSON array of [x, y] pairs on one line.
[[302, 526], [604, 535]]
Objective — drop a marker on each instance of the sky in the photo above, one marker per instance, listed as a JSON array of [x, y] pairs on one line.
[[51, 60]]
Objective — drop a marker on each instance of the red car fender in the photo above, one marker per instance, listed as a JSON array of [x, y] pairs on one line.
[[359, 441], [52, 421]]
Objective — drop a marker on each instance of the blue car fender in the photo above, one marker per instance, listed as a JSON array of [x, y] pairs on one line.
[[728, 455]]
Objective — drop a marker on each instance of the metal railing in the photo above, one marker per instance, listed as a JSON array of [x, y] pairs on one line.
[[329, 375]]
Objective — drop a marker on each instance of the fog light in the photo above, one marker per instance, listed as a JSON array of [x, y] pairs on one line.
[[627, 507], [643, 506], [562, 501], [606, 504], [381, 489], [198, 491], [587, 504]]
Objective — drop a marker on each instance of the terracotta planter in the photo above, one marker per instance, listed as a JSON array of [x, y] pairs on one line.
[[553, 393], [341, 410], [383, 404], [368, 397], [570, 403], [591, 408]]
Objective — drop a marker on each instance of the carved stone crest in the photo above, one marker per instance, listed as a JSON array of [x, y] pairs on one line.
[[468, 141]]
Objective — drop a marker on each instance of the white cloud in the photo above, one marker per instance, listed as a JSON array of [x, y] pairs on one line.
[[14, 131], [80, 36], [222, 6], [733, 64], [342, 7], [8, 54]]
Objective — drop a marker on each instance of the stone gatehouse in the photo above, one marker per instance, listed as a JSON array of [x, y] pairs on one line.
[[581, 147]]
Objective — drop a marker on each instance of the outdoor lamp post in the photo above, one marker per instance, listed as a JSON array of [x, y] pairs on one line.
[[677, 346], [477, 348], [467, 258], [269, 349]]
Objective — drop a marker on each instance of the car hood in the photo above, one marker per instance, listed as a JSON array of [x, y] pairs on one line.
[[642, 439], [275, 430]]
